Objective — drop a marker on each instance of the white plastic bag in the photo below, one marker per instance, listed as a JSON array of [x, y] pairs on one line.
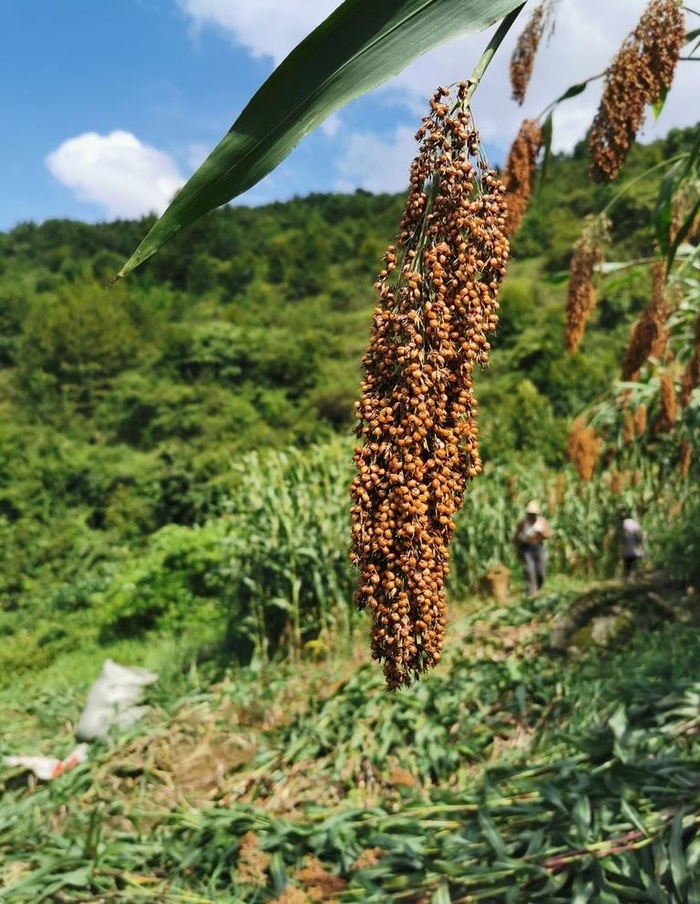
[[48, 767], [112, 700]]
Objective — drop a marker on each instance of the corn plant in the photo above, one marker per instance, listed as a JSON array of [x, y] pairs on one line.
[[274, 568]]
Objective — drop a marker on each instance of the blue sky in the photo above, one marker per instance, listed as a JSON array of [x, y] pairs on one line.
[[108, 106]]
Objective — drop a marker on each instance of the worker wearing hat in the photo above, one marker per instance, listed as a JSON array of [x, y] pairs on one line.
[[530, 536]]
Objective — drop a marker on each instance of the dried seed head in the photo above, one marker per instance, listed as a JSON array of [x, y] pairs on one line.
[[252, 862], [628, 429], [639, 75], [520, 171], [581, 297], [583, 448], [526, 48], [617, 481], [683, 205], [691, 374], [685, 458], [668, 406], [650, 333], [640, 420], [291, 895], [319, 884], [417, 411], [368, 858]]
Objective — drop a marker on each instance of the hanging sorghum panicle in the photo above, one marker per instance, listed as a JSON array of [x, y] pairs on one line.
[[650, 332], [526, 48], [683, 204], [520, 171], [581, 297], [691, 374], [639, 75], [628, 429], [640, 420], [685, 458], [583, 448], [668, 406], [417, 411], [617, 481]]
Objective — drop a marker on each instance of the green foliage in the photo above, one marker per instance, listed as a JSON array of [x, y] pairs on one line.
[[269, 563], [355, 49], [502, 777], [77, 342], [128, 410], [680, 543], [175, 583]]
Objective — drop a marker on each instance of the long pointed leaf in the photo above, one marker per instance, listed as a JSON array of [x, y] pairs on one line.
[[359, 46]]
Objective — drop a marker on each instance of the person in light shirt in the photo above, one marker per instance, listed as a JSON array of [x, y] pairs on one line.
[[531, 535], [632, 544]]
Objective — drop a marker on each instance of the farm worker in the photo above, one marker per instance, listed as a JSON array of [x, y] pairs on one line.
[[530, 536], [632, 543]]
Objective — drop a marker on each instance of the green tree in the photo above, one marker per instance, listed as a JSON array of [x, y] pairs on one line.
[[80, 340]]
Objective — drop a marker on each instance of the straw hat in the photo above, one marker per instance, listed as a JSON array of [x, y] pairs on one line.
[[533, 508]]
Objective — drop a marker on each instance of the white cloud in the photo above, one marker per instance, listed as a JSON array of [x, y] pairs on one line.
[[267, 28], [196, 154], [375, 164], [117, 171], [332, 125]]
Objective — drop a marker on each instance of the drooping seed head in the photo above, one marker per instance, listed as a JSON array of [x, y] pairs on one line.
[[650, 332], [527, 45], [691, 374], [583, 448], [417, 412], [668, 405], [639, 75], [581, 296], [520, 172]]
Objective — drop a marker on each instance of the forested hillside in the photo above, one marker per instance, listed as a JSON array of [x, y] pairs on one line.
[[128, 409]]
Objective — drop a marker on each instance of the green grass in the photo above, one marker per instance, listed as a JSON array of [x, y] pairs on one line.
[[506, 775]]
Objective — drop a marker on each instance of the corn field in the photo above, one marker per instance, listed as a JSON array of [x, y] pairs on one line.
[[275, 564]]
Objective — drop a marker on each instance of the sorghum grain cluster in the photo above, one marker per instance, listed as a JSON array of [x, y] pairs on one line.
[[668, 405], [639, 75], [581, 297], [583, 448], [526, 48], [640, 420], [691, 374], [685, 458], [520, 171], [252, 862], [417, 412], [628, 430], [650, 332], [685, 221]]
